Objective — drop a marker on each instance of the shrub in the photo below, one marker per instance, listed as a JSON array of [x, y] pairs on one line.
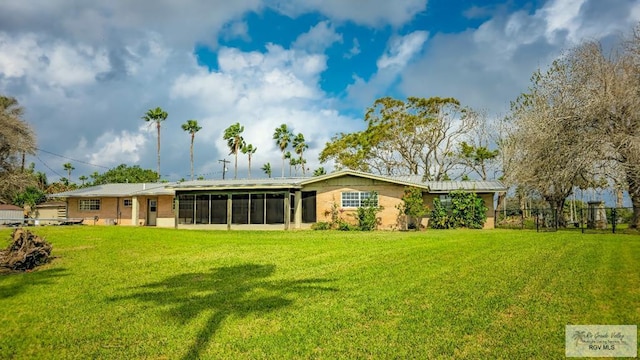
[[412, 207], [467, 210], [321, 225], [367, 213]]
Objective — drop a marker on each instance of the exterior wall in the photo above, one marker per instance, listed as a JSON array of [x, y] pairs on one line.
[[112, 211], [488, 202], [45, 213], [329, 193], [11, 216]]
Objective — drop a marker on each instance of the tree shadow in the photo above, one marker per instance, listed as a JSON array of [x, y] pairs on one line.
[[13, 283], [237, 290]]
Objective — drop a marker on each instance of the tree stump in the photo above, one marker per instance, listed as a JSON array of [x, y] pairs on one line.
[[25, 252]]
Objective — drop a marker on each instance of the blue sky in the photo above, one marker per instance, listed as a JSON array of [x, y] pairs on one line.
[[86, 71]]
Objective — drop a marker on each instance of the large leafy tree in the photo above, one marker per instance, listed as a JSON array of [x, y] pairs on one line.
[[156, 116], [235, 142], [413, 137], [192, 127], [249, 150], [299, 146], [282, 136], [16, 140], [124, 173]]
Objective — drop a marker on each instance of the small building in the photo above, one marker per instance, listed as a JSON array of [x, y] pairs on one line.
[[50, 212], [11, 214]]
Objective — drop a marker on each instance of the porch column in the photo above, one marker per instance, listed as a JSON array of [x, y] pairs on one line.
[[135, 209], [297, 215], [287, 210], [229, 209]]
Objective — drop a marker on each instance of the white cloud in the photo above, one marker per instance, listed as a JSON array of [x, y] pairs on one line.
[[365, 12], [402, 49], [489, 66], [318, 38], [355, 49]]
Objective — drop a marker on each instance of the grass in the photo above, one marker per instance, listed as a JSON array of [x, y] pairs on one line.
[[117, 292]]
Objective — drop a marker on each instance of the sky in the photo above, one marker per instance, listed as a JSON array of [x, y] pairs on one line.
[[87, 71]]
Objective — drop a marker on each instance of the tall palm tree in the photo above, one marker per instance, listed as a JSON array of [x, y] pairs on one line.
[[299, 146], [287, 155], [157, 116], [267, 169], [249, 150], [68, 168], [233, 135], [283, 136], [192, 127], [83, 179]]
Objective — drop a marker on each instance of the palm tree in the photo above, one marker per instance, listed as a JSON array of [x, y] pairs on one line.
[[299, 146], [267, 169], [249, 150], [287, 155], [192, 127], [283, 136], [68, 168], [235, 142], [157, 116], [319, 171], [83, 179]]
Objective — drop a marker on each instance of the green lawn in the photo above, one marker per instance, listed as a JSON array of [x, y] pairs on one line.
[[118, 292]]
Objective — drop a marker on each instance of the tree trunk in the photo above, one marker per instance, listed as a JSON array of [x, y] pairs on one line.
[[633, 180], [191, 153], [158, 127]]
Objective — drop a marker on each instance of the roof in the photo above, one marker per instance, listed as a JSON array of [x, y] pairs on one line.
[[228, 184], [10, 207], [118, 190], [121, 190]]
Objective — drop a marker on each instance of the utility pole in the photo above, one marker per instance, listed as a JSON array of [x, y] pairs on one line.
[[224, 166]]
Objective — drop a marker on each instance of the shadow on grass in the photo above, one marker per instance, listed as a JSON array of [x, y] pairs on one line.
[[13, 283], [234, 290]]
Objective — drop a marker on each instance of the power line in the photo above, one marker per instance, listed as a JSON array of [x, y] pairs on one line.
[[48, 167], [75, 160]]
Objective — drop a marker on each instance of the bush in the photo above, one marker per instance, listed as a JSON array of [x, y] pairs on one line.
[[367, 214], [321, 225], [467, 210]]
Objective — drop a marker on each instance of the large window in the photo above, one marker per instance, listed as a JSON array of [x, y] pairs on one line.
[[202, 209], [89, 204], [219, 209], [352, 199], [240, 208], [257, 209], [275, 209], [186, 209], [309, 206]]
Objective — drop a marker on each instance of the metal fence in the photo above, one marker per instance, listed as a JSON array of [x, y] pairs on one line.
[[594, 219]]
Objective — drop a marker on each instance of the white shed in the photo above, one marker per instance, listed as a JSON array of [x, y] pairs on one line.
[[10, 214]]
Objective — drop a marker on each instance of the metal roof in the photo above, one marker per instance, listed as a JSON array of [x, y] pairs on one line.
[[121, 190], [118, 190], [261, 183]]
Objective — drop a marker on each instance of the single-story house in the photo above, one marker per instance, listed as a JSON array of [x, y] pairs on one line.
[[274, 203]]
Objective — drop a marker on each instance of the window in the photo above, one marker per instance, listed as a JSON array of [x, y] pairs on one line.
[[352, 199], [445, 200], [309, 206], [127, 202], [90, 205]]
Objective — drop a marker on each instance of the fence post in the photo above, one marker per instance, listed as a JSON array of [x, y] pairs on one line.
[[614, 219]]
